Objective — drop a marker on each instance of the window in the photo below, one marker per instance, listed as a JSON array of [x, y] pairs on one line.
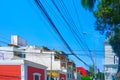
[[115, 59], [68, 75], [36, 76], [106, 68], [62, 79], [19, 54]]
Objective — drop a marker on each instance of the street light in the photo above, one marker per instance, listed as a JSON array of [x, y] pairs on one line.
[[94, 62]]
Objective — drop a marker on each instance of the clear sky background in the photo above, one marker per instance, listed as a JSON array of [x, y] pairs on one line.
[[23, 18]]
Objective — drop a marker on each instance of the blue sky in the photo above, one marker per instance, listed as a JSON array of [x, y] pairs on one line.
[[23, 18]]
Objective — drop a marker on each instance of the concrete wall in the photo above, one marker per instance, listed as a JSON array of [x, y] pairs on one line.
[[44, 59], [110, 56], [110, 62], [6, 53]]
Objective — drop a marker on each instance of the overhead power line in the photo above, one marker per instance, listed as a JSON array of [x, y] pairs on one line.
[[41, 7], [3, 42], [46, 54], [71, 25], [73, 1]]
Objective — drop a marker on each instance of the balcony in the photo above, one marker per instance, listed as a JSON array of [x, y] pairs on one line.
[[59, 57], [63, 65]]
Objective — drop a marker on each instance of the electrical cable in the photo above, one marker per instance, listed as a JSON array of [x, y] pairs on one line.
[[66, 23], [40, 6], [76, 28], [69, 25]]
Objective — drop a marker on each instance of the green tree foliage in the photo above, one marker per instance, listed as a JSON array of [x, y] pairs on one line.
[[115, 41], [88, 4], [100, 76], [107, 15], [108, 22], [85, 78], [91, 70]]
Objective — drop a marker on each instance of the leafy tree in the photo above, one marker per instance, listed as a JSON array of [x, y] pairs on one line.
[[107, 16], [85, 78], [108, 22], [115, 42], [91, 70], [88, 4], [100, 76]]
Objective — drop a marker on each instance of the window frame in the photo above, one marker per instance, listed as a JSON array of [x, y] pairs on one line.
[[38, 74], [19, 54], [62, 78]]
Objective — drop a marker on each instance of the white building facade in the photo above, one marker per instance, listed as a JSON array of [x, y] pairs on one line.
[[57, 62], [110, 62]]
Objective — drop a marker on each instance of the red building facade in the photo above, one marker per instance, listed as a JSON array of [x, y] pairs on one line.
[[32, 70], [82, 71], [21, 70], [10, 72], [62, 76]]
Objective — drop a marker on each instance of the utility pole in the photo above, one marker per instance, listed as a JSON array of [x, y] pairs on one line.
[[95, 64], [94, 60], [51, 67], [94, 55]]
